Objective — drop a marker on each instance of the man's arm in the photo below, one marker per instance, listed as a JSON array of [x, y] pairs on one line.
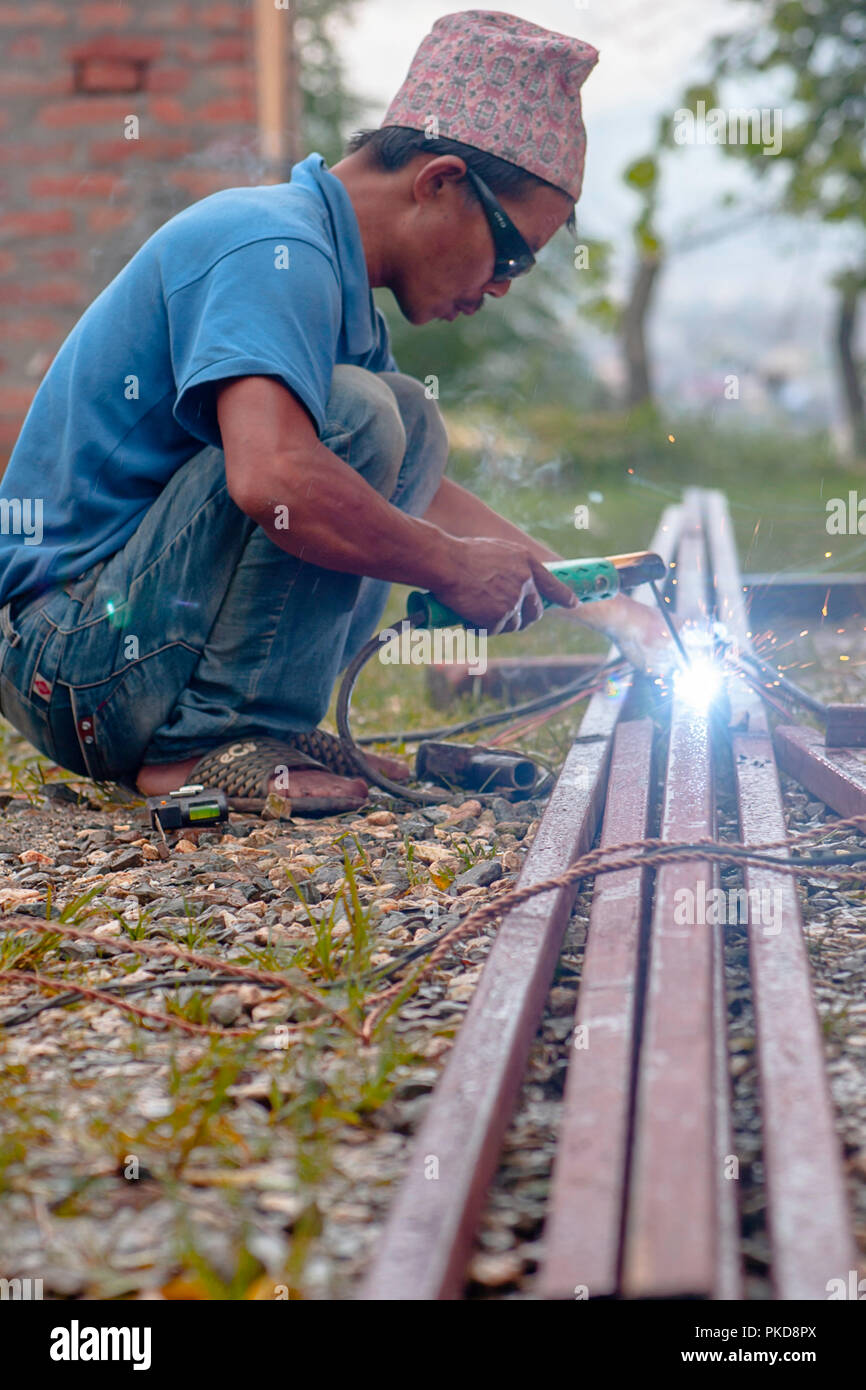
[[274, 458], [636, 628]]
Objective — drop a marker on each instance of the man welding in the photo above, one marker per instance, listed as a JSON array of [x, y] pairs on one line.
[[234, 470]]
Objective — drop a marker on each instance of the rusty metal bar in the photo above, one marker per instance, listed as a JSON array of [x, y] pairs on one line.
[[680, 1238], [836, 776], [583, 1230], [428, 1234], [807, 1210]]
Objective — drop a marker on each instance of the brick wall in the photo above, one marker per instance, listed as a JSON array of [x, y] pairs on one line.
[[78, 196]]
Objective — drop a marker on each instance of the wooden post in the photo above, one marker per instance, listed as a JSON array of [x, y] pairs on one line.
[[278, 88]]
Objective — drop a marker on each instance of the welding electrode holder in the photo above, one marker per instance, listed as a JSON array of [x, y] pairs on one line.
[[590, 579]]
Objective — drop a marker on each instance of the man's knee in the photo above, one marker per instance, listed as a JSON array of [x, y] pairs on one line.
[[364, 426], [427, 441]]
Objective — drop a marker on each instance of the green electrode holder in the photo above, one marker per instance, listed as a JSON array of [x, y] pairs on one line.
[[590, 579]]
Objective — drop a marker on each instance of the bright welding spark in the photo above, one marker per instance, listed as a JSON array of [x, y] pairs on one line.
[[698, 685]]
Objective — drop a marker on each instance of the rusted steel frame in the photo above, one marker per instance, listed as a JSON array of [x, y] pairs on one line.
[[584, 1227], [428, 1235], [680, 1237], [833, 775], [806, 1204]]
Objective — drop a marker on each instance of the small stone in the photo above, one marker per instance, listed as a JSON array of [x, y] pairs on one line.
[[381, 818], [149, 852], [562, 1001], [33, 856], [128, 859], [495, 1271], [225, 1009], [185, 847], [485, 872]]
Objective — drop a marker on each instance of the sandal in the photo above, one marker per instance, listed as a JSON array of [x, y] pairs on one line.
[[243, 771]]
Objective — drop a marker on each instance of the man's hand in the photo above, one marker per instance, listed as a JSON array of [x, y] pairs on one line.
[[499, 585], [638, 630]]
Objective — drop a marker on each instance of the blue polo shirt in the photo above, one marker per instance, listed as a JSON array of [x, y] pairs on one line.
[[267, 281]]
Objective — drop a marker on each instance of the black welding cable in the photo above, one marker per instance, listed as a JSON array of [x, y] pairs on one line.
[[344, 703], [482, 721]]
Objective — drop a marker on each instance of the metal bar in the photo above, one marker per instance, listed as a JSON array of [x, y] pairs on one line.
[[803, 596], [428, 1234], [583, 1230], [835, 776], [807, 1211], [680, 1225]]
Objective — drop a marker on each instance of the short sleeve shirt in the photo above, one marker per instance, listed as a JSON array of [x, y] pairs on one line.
[[263, 281]]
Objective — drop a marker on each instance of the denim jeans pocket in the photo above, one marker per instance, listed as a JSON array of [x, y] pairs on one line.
[[116, 718]]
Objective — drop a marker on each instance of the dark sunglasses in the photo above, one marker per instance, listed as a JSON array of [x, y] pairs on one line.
[[513, 256]]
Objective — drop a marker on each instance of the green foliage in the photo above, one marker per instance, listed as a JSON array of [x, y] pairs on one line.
[[821, 47], [330, 110]]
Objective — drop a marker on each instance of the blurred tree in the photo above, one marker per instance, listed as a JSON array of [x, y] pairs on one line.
[[820, 47], [330, 110], [643, 177]]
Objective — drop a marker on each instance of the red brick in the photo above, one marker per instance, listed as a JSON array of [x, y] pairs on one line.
[[57, 258], [56, 222], [233, 79], [108, 219], [16, 399], [149, 147], [116, 75], [173, 17], [236, 50], [228, 112], [169, 111], [41, 327], [202, 182], [35, 16], [167, 79], [31, 84], [27, 46], [224, 16], [85, 185], [57, 292], [103, 16], [110, 46], [85, 111], [49, 153], [8, 262]]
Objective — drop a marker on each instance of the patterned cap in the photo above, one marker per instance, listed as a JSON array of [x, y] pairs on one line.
[[505, 86]]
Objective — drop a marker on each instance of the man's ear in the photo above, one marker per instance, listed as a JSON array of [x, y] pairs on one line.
[[436, 175]]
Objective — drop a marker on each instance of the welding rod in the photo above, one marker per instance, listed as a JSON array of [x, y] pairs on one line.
[[671, 625]]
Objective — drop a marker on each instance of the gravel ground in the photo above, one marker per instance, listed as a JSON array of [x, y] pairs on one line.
[[258, 1159]]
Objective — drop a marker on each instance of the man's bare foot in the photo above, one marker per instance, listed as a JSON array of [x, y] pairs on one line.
[[154, 779]]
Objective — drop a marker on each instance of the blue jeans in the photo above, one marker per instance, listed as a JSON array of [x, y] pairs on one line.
[[200, 629]]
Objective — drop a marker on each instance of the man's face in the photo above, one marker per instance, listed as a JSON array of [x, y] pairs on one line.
[[448, 250]]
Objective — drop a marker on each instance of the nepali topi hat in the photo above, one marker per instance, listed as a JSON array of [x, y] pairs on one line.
[[504, 85]]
